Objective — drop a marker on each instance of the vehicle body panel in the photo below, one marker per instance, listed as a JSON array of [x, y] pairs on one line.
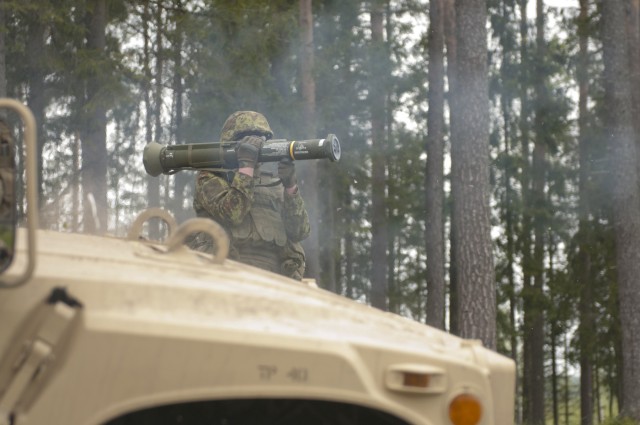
[[158, 328]]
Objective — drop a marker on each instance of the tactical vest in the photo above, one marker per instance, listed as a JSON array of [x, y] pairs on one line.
[[261, 239], [264, 220]]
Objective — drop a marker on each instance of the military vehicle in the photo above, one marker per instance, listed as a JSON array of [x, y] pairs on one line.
[[99, 330]]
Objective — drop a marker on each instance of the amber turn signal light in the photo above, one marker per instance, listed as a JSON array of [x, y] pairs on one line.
[[465, 409]]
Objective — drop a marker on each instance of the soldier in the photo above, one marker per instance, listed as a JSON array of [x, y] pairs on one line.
[[265, 221]]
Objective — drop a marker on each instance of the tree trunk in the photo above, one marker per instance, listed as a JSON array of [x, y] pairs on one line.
[[94, 142], [567, 388], [394, 242], [625, 196], [434, 235], [534, 316], [153, 183], [36, 94], [451, 45], [75, 181], [597, 394], [154, 225], [554, 375], [309, 170], [181, 179], [525, 233], [379, 231], [326, 227], [633, 35], [348, 249], [3, 53], [470, 176], [587, 324]]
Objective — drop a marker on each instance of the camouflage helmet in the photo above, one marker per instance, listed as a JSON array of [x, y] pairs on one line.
[[243, 123]]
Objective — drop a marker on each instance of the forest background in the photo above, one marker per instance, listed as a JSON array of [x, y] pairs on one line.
[[488, 184]]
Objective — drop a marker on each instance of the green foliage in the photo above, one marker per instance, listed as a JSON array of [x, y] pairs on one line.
[[240, 61], [405, 205]]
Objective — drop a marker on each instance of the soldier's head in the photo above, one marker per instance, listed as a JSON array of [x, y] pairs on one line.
[[245, 123]]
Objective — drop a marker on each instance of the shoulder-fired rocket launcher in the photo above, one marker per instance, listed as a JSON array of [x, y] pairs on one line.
[[169, 159]]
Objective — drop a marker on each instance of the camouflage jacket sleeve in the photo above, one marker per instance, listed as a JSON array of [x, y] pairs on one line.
[[294, 215], [224, 202]]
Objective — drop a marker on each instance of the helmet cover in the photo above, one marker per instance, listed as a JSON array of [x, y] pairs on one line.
[[245, 123]]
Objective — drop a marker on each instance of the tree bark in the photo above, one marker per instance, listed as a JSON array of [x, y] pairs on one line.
[[567, 387], [75, 190], [525, 232], [94, 142], [327, 227], [587, 323], [154, 225], [434, 234], [470, 176], [3, 53], [554, 376], [153, 183], [633, 35], [36, 94], [625, 196], [182, 180], [309, 170], [534, 314], [379, 231], [451, 46]]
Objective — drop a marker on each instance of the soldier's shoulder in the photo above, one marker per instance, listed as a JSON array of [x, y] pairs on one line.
[[206, 175], [209, 179]]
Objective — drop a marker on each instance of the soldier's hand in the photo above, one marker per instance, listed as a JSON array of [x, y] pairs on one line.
[[248, 151], [287, 173]]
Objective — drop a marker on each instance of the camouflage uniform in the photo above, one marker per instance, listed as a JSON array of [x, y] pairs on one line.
[[265, 223]]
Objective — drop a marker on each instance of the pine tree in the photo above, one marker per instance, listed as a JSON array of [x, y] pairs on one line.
[[587, 322], [94, 148], [434, 234], [379, 235], [470, 177], [309, 171], [625, 195]]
